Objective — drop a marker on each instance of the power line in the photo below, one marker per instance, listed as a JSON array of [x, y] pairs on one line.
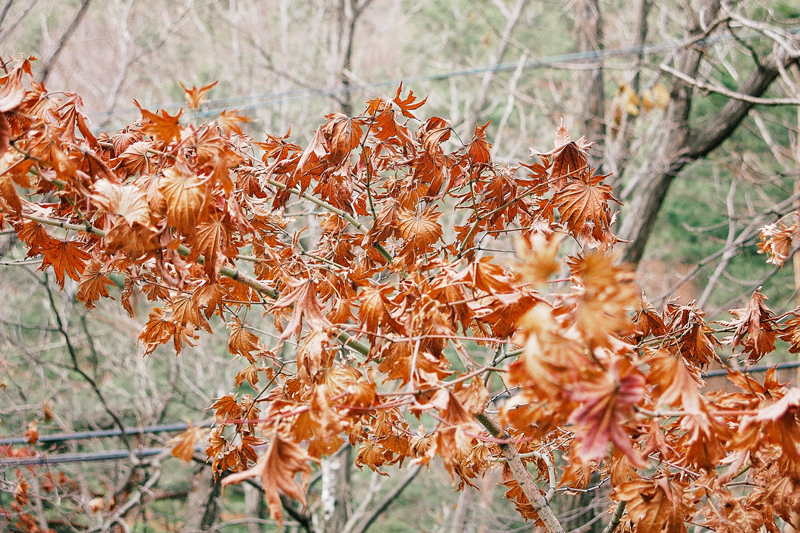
[[752, 369], [87, 457], [147, 452], [269, 99], [104, 433]]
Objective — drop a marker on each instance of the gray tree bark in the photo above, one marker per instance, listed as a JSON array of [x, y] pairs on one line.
[[677, 143], [589, 36], [201, 506], [65, 37], [346, 15], [336, 490]]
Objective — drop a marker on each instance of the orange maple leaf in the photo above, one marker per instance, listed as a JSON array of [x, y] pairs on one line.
[[249, 374], [277, 469], [157, 330], [343, 135], [213, 240], [420, 230], [303, 298], [66, 257], [407, 105], [755, 323], [585, 202], [128, 202], [35, 236], [569, 157], [32, 433], [227, 410], [776, 241], [782, 423], [186, 198], [194, 95], [375, 308], [656, 505], [605, 405], [164, 127], [229, 122], [13, 92], [242, 342], [8, 193], [479, 149], [93, 283], [183, 443], [135, 159]]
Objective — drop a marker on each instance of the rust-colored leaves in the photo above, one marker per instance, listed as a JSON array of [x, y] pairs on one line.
[[277, 469], [366, 254]]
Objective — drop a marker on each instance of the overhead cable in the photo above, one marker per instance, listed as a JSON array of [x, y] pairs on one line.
[[146, 452], [270, 99], [87, 457], [81, 435]]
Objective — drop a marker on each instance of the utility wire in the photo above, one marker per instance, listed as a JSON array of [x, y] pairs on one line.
[[147, 452], [752, 369], [88, 457], [80, 435], [270, 99]]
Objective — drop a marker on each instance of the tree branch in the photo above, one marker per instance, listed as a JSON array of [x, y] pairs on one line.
[[62, 328], [520, 473], [51, 61], [386, 501], [4, 32], [714, 88], [615, 520], [229, 272]]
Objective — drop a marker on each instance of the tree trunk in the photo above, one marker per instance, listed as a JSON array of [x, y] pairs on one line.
[[589, 35], [201, 506], [335, 495], [253, 504], [473, 112], [461, 511], [65, 37], [677, 144], [346, 15]]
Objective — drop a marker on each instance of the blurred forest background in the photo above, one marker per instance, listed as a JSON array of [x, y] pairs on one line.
[[692, 108]]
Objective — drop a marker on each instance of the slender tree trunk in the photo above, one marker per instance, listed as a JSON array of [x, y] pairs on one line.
[[5, 31], [336, 490], [62, 42], [472, 114], [589, 35], [641, 33], [253, 499], [201, 506], [346, 15], [461, 511]]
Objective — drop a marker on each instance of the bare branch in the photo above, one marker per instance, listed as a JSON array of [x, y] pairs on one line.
[[714, 88], [386, 501], [5, 32], [65, 37], [520, 473]]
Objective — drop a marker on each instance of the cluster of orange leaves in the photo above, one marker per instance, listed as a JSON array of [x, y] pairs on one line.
[[382, 301]]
